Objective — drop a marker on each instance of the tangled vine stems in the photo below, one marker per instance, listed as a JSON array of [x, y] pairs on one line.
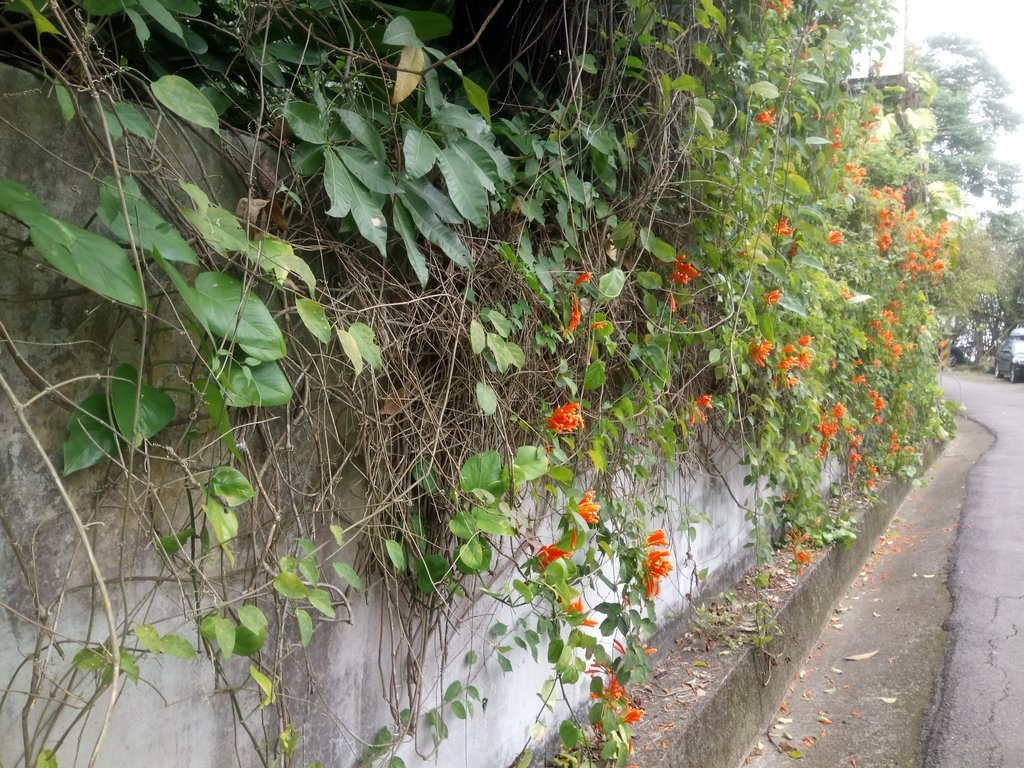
[[598, 236]]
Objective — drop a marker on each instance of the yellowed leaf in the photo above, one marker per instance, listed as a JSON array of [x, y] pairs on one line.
[[410, 65], [862, 656]]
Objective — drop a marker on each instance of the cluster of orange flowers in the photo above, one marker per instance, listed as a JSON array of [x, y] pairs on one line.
[[772, 297], [658, 565], [828, 426], [759, 351], [796, 546], [766, 117], [699, 408], [614, 695], [684, 271], [781, 7], [588, 508], [835, 237], [783, 228], [566, 418], [855, 173]]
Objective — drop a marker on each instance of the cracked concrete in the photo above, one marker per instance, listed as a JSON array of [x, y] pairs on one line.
[[978, 711]]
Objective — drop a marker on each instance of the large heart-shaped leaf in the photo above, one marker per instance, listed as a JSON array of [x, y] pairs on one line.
[[138, 420], [226, 310], [90, 438], [261, 385]]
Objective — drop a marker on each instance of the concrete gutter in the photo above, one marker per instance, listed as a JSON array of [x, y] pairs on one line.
[[707, 711]]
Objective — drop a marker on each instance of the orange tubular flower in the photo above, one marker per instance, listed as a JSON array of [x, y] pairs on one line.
[[566, 418], [783, 229], [658, 565], [577, 608], [548, 554], [588, 508], [704, 401], [684, 271], [772, 297], [657, 539], [585, 277], [835, 237], [634, 715], [574, 318], [805, 340], [839, 411], [767, 117], [759, 351]]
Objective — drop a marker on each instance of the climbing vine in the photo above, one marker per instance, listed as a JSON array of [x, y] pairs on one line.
[[508, 281]]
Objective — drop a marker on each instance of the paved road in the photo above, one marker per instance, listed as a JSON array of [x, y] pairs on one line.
[[942, 602], [979, 715]]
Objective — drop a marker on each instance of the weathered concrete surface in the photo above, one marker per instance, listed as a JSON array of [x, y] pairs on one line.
[[179, 713], [716, 730], [869, 712], [979, 713]]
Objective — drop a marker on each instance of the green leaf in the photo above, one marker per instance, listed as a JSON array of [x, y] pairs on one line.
[[420, 152], [569, 734], [279, 258], [163, 17], [595, 376], [252, 618], [178, 647], [611, 284], [90, 659], [314, 318], [368, 349], [351, 348], [149, 229], [155, 407], [261, 385], [464, 188], [47, 759], [141, 29], [265, 685], [764, 90], [148, 636], [428, 222], [348, 574], [305, 626], [477, 336], [400, 32], [43, 25], [530, 463], [221, 305], [230, 486], [506, 354], [402, 220], [477, 96], [372, 173], [223, 521], [320, 600], [396, 553], [657, 247], [349, 196], [290, 585], [85, 257], [486, 398], [363, 132], [185, 100], [798, 184], [482, 471], [67, 106], [90, 439], [224, 634], [306, 122]]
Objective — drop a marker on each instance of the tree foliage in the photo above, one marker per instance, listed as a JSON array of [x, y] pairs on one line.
[[971, 113]]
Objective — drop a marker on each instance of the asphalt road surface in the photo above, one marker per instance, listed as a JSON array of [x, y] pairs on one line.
[[922, 664], [978, 719]]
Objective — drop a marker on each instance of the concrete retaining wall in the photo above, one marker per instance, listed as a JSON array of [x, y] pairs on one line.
[[179, 712]]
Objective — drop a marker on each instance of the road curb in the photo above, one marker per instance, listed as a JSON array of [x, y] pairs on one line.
[[719, 728]]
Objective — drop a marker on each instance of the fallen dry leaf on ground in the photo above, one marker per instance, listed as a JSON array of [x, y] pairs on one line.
[[862, 656]]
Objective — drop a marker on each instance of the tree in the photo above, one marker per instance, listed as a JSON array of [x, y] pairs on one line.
[[971, 112]]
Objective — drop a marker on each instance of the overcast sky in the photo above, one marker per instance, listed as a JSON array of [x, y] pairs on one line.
[[994, 23]]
